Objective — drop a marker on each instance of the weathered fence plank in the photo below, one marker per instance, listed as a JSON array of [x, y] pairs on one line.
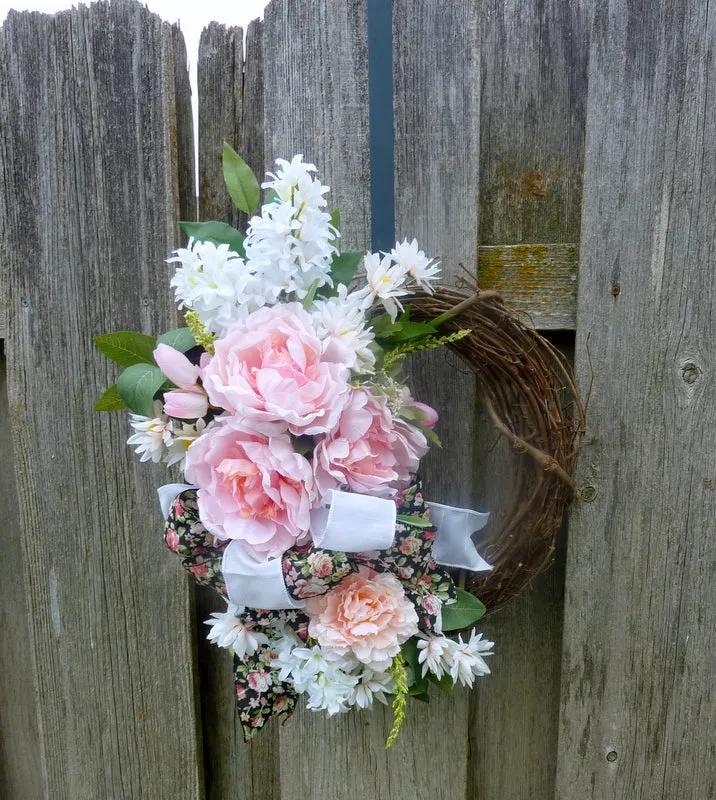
[[437, 126], [639, 713], [531, 153], [538, 280], [230, 110], [20, 746], [94, 147]]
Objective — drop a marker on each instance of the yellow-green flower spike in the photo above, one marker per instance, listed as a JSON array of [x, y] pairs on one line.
[[201, 335], [400, 682]]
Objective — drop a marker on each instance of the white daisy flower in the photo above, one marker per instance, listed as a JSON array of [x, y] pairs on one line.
[[182, 436], [151, 435], [340, 324], [385, 282], [372, 686], [230, 631], [433, 651], [465, 659], [415, 263]]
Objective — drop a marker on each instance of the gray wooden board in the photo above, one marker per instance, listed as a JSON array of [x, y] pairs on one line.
[[638, 714], [20, 747], [538, 280], [230, 99], [531, 154], [437, 125], [93, 142], [316, 99]]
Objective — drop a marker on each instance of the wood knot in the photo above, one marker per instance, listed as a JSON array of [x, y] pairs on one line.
[[690, 372]]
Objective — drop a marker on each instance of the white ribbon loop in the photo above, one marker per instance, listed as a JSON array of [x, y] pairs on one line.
[[252, 583], [453, 546], [169, 493], [353, 523]]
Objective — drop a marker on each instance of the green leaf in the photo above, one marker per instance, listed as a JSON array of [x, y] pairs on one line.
[[240, 181], [127, 347], [344, 266], [432, 437], [336, 222], [110, 400], [409, 330], [308, 299], [215, 232], [272, 197], [419, 687], [465, 612], [137, 386], [179, 338], [383, 327], [415, 522], [444, 683]]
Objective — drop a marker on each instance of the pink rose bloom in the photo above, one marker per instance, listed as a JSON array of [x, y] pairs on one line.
[[172, 540], [367, 614], [432, 604], [269, 370], [320, 565], [251, 487], [258, 680], [359, 453]]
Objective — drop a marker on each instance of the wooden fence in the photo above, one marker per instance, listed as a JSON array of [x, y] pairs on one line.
[[530, 136]]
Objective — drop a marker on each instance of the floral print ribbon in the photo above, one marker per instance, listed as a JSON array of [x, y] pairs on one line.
[[309, 572]]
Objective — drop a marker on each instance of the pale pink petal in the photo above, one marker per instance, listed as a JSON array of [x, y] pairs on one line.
[[176, 366], [185, 405]]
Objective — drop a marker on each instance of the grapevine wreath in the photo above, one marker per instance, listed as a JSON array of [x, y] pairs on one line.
[[284, 404]]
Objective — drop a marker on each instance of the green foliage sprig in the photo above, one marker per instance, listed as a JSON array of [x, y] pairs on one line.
[[400, 682], [393, 357], [201, 335]]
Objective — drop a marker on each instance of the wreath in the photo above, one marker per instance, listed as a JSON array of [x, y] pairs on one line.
[[284, 403]]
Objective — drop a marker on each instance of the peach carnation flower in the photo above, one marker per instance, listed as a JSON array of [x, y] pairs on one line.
[[367, 614]]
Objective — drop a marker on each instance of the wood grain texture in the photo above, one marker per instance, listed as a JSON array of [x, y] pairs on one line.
[[20, 746], [93, 150], [316, 99], [538, 280], [437, 124], [231, 110], [639, 709], [531, 149]]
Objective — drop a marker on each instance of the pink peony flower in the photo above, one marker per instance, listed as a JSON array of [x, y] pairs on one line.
[[189, 400], [269, 370], [251, 487], [359, 453], [409, 446], [367, 614]]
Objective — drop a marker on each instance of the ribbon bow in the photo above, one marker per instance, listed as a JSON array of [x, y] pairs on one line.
[[309, 571]]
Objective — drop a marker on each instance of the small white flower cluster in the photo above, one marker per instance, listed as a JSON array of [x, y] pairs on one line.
[[159, 438], [463, 661], [390, 276], [289, 247], [334, 683]]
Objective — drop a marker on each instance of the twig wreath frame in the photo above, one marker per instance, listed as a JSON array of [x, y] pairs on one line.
[[528, 390]]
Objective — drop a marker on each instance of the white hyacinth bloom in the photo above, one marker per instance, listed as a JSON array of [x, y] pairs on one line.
[[413, 260], [340, 324], [291, 244], [230, 631], [216, 283], [372, 686], [433, 652], [465, 659]]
